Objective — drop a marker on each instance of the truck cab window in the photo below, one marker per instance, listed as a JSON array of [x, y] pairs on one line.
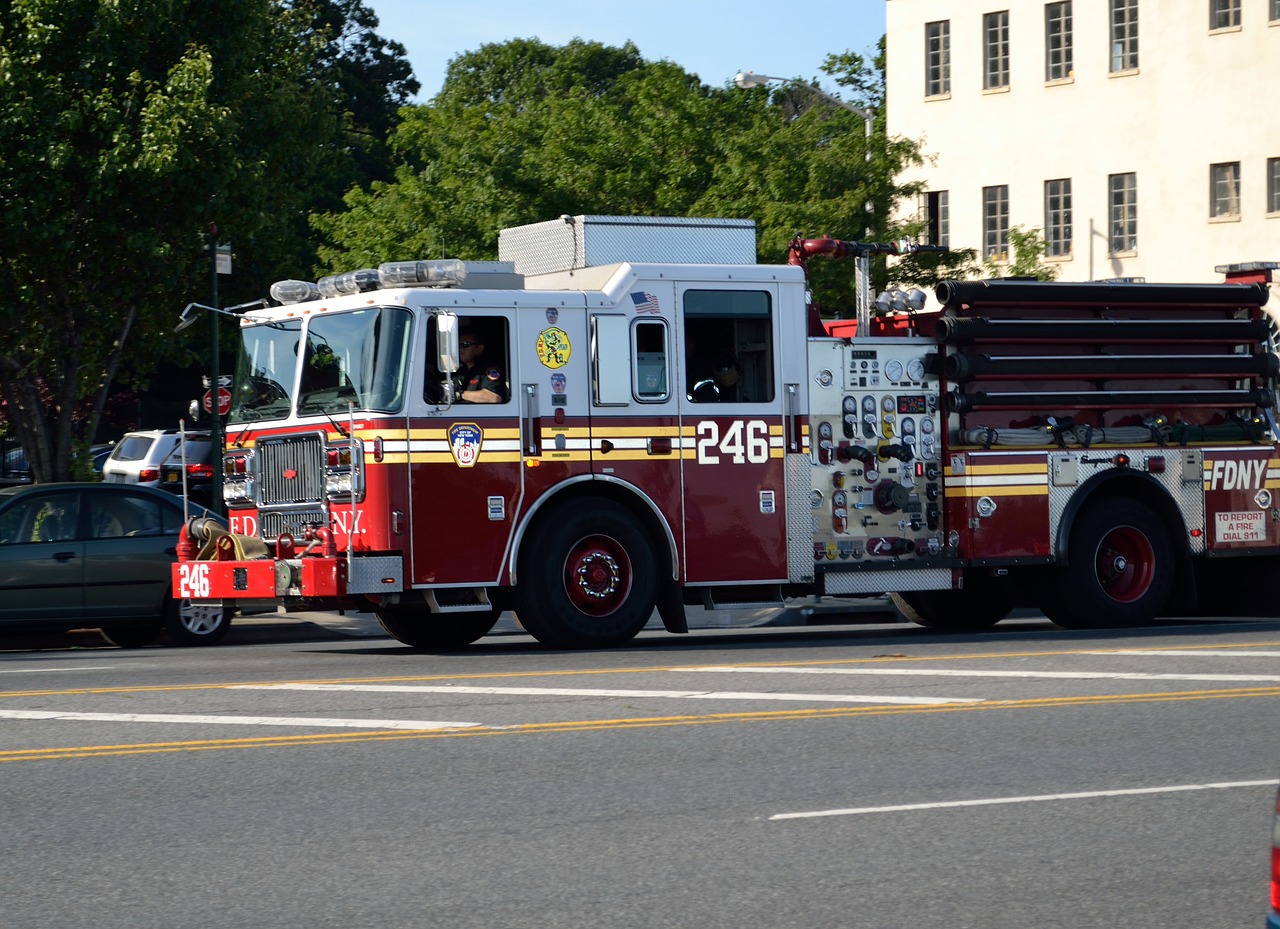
[[483, 353], [728, 346]]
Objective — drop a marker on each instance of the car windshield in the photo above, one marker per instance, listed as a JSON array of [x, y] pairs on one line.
[[360, 358]]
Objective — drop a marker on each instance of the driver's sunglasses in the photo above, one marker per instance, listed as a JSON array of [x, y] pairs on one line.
[[469, 344]]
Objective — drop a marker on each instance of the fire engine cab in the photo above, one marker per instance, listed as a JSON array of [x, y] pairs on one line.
[[624, 414]]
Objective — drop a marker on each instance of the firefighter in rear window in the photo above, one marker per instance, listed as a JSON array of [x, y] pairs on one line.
[[477, 380]]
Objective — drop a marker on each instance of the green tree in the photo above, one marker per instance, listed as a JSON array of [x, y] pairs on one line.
[[127, 127], [523, 131], [1025, 258]]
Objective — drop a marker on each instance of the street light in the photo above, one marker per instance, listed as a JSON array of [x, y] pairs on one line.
[[748, 79]]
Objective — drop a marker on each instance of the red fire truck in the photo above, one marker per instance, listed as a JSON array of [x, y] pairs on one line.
[[669, 423]]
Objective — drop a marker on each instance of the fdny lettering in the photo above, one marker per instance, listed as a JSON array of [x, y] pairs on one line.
[[741, 442], [346, 523], [1237, 475]]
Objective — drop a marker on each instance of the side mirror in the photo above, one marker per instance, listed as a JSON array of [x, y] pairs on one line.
[[193, 411]]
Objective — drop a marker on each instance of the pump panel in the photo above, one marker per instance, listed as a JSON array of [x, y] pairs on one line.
[[876, 444]]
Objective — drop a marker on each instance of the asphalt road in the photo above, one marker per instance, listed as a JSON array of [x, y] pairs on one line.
[[810, 776]]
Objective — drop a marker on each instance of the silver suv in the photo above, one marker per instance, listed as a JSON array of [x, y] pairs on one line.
[[137, 456]]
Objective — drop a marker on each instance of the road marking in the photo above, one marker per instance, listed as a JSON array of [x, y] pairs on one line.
[[1188, 653], [1043, 798], [87, 667], [183, 718], [594, 692], [960, 672], [615, 725]]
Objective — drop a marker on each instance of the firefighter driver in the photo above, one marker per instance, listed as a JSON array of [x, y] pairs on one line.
[[477, 380]]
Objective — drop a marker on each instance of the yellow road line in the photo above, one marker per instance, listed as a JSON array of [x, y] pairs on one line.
[[600, 725]]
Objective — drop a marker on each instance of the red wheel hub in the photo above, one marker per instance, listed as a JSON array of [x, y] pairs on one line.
[[597, 575], [1125, 564]]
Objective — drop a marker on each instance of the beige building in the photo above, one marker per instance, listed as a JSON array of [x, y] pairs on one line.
[[1141, 136]]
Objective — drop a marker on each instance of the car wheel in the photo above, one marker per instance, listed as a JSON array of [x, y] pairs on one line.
[[191, 623], [132, 636]]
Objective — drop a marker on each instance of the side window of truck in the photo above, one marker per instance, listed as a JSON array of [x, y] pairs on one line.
[[728, 341]]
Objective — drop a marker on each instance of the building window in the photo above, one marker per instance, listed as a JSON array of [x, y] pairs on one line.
[[1273, 181], [1124, 35], [1122, 194], [1224, 190], [995, 222], [936, 207], [1057, 41], [1273, 14], [1057, 217], [1225, 14], [995, 50], [937, 58]]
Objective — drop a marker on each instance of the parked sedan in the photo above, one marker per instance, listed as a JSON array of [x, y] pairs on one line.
[[97, 555]]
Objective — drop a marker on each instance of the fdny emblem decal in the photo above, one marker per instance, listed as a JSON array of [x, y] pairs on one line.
[[552, 315], [465, 440], [554, 348]]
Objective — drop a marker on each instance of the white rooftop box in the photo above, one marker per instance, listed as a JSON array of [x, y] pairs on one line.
[[573, 242]]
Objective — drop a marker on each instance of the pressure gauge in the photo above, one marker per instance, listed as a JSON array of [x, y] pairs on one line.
[[915, 369], [888, 404], [908, 427], [850, 404], [893, 369], [868, 404], [926, 426]]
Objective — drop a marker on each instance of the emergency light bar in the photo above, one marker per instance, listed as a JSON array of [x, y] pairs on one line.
[[287, 292], [350, 282]]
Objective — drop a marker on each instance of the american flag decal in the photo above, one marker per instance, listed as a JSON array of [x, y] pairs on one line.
[[646, 303]]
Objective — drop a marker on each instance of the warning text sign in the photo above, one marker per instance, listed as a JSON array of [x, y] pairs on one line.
[[1241, 527]]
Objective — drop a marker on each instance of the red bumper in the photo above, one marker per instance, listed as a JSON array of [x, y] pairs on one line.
[[261, 579]]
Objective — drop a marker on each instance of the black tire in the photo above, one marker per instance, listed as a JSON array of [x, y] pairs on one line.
[[418, 627], [980, 604], [588, 577], [1120, 570], [189, 623], [132, 636]]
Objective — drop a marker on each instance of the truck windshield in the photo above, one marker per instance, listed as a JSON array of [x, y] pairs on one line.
[[361, 357]]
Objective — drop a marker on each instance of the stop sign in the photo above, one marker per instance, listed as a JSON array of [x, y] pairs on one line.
[[224, 401]]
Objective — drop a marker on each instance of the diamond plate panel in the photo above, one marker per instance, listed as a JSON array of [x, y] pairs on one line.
[[588, 241], [802, 524], [869, 582], [376, 574]]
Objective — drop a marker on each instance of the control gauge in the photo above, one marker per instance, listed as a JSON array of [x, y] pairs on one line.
[[850, 404], [908, 426], [888, 404], [893, 369], [868, 404], [926, 426], [915, 369]]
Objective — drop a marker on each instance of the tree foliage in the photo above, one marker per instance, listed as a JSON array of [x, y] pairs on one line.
[[127, 128], [524, 131]]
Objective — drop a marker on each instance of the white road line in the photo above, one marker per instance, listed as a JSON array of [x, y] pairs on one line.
[[957, 672], [1190, 653], [88, 667], [591, 692], [182, 718], [993, 801]]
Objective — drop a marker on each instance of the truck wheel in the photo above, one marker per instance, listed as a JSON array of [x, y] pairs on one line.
[[1120, 572], [418, 627], [978, 605], [588, 577], [190, 623]]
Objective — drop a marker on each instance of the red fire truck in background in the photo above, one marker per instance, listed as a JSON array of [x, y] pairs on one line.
[[674, 425]]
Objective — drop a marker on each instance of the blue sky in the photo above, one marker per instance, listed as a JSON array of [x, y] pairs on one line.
[[710, 38]]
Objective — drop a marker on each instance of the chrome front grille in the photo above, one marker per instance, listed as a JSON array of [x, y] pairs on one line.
[[290, 470], [294, 522]]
